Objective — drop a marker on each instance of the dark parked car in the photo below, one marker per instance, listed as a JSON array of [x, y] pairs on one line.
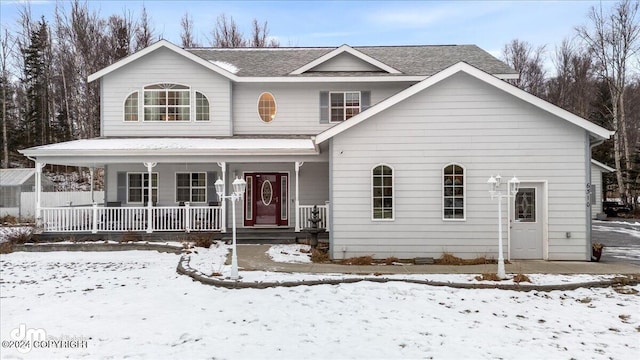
[[615, 209]]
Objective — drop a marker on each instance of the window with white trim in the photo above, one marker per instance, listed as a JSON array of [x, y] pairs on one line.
[[138, 185], [191, 187], [382, 192], [267, 107], [131, 107], [344, 105], [202, 107], [167, 102], [453, 192]]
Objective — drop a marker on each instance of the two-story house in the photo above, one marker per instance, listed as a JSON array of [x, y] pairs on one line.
[[394, 144]]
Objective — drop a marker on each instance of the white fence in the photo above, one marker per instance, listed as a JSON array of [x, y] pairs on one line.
[[106, 219], [52, 199], [305, 213]]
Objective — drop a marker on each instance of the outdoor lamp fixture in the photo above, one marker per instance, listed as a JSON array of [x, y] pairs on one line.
[[239, 185], [496, 190]]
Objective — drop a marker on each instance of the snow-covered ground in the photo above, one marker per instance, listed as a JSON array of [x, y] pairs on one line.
[[629, 228], [7, 232], [133, 304]]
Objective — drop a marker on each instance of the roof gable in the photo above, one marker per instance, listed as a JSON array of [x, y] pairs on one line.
[[345, 49], [222, 70], [15, 177], [478, 74]]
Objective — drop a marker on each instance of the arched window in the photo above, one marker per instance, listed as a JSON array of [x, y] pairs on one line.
[[202, 107], [267, 107], [382, 192], [453, 193], [167, 102], [131, 107]]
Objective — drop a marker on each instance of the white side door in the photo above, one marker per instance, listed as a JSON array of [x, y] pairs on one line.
[[526, 222]]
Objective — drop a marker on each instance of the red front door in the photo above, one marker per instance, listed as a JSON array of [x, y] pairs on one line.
[[266, 199]]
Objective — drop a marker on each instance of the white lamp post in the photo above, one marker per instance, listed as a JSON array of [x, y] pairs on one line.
[[239, 185], [496, 190]]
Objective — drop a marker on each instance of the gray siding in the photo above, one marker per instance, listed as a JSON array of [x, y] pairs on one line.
[[465, 121], [298, 109], [164, 66], [596, 187], [166, 179]]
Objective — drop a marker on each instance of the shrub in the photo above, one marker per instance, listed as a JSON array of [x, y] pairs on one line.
[[450, 259], [6, 247], [204, 242], [488, 277], [391, 260], [361, 260], [319, 256], [19, 235], [8, 219], [521, 278]]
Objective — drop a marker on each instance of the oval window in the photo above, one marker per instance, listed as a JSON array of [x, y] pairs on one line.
[[267, 192], [267, 107]]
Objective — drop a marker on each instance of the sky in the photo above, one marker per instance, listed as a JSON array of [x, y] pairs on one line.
[[488, 24]]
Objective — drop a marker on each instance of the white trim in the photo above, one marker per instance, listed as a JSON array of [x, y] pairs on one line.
[[161, 44], [124, 108], [344, 105], [275, 105], [167, 106], [345, 49], [143, 173], [175, 187], [393, 193], [195, 106], [464, 193], [602, 166], [544, 193], [478, 74]]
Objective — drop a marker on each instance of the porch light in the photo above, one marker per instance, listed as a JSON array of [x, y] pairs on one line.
[[496, 190], [239, 186]]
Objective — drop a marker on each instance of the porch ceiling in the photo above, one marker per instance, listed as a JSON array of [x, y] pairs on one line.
[[101, 151]]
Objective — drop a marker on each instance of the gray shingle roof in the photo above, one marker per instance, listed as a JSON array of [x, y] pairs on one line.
[[409, 60]]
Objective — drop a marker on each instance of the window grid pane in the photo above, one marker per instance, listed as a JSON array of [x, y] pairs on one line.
[[131, 107], [382, 192], [166, 104], [267, 107], [191, 187], [453, 192], [138, 186], [344, 105], [202, 107]]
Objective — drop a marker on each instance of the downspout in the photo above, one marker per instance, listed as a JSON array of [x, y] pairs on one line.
[[588, 192]]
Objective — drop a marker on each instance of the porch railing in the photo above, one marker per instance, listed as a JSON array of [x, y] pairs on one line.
[[304, 214], [117, 219]]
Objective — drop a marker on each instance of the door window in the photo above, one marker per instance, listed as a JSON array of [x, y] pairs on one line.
[[525, 205]]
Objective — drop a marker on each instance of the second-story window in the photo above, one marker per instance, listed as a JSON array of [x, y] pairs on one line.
[[202, 107], [344, 105], [267, 107], [131, 107], [167, 102]]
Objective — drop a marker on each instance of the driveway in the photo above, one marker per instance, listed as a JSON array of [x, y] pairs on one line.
[[621, 238]]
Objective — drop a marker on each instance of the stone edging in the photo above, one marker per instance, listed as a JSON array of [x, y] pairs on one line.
[[97, 247], [184, 269]]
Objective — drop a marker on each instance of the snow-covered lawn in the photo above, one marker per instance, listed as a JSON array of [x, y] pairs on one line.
[[133, 304], [9, 231]]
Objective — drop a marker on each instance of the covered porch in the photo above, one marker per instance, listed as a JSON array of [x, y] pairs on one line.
[[287, 178]]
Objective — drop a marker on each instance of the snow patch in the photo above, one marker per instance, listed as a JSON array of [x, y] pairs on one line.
[[226, 66], [296, 253]]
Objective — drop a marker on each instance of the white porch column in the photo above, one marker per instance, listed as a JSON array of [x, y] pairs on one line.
[[91, 170], [39, 167], [223, 204], [150, 167], [297, 168]]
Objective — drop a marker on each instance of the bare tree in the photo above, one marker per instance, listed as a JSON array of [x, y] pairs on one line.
[[122, 32], [7, 47], [528, 62], [614, 39], [260, 36], [226, 33], [186, 34], [144, 32]]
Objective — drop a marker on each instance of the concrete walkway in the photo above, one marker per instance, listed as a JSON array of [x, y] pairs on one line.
[[254, 257]]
